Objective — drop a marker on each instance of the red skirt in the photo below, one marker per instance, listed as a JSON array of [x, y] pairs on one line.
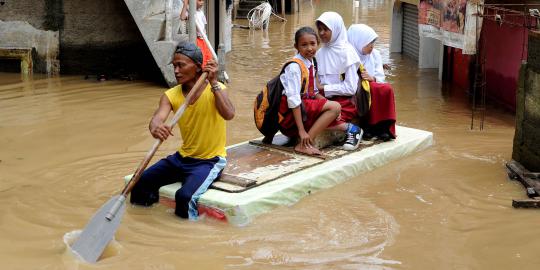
[[348, 108], [383, 105], [207, 54], [311, 112]]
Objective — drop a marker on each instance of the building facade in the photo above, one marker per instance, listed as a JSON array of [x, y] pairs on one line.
[[99, 37]]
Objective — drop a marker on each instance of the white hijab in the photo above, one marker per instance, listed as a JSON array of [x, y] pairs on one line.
[[359, 36], [338, 54]]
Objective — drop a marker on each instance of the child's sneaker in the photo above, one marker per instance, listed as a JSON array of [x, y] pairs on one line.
[[353, 140]]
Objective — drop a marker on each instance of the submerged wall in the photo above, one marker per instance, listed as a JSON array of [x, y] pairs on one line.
[[95, 37], [22, 35], [527, 137]]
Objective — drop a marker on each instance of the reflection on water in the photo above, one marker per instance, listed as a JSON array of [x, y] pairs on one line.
[[66, 143]]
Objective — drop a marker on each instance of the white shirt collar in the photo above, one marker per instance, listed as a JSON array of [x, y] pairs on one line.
[[306, 62]]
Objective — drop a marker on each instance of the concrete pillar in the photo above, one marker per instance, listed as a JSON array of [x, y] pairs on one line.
[[397, 28], [26, 63], [168, 20], [295, 6], [441, 61], [429, 52], [221, 45], [192, 27], [222, 18], [526, 148]]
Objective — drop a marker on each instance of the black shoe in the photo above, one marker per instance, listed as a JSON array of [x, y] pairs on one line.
[[353, 140], [384, 137], [367, 135]]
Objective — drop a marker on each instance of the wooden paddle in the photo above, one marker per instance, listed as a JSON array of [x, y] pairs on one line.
[[101, 228]]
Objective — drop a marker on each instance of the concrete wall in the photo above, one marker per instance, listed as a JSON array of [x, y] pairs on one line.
[[460, 68], [527, 137], [29, 29], [32, 12], [396, 36], [22, 35], [430, 52], [100, 36], [96, 37]]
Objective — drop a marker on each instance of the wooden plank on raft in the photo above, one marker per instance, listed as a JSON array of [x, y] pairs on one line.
[[285, 149], [237, 180], [250, 165]]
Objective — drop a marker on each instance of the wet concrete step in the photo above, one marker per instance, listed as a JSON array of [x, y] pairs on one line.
[[251, 2], [158, 32], [242, 13]]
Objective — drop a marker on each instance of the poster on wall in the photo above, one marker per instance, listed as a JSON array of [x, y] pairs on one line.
[[444, 20]]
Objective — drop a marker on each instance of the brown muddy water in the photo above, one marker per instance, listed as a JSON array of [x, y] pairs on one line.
[[66, 143]]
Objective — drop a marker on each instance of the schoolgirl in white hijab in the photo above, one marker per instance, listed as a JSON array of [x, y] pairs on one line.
[[362, 38], [337, 56]]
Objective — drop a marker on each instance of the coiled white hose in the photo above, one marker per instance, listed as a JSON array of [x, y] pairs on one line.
[[259, 16]]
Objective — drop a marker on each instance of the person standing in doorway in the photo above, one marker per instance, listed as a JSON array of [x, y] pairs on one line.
[[200, 20]]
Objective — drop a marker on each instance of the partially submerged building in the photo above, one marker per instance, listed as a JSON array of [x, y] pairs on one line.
[[502, 33], [491, 49], [102, 37]]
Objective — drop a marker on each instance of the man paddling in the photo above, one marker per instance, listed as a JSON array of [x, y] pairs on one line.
[[201, 157]]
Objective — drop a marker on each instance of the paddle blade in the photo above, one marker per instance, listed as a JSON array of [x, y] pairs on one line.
[[98, 232]]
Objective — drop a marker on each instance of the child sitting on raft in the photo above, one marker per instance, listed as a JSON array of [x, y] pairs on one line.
[[381, 119], [305, 115], [337, 57]]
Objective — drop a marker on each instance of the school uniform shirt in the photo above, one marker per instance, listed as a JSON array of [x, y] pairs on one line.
[[334, 86], [374, 65], [360, 35], [337, 57], [292, 82], [200, 20], [201, 126]]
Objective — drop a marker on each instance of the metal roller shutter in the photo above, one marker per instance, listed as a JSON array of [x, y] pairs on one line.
[[410, 42]]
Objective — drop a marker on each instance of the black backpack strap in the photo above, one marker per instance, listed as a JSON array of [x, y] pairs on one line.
[[286, 65]]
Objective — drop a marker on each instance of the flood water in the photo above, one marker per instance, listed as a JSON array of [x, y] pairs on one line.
[[66, 143]]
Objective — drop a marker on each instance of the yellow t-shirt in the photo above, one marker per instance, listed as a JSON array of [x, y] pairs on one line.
[[201, 126]]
